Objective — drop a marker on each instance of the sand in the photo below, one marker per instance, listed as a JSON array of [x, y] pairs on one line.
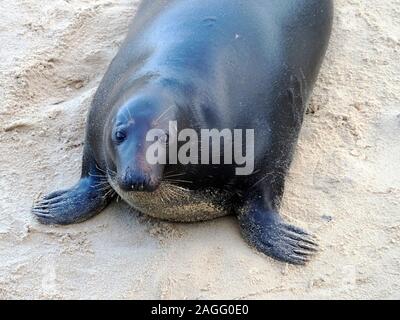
[[344, 185]]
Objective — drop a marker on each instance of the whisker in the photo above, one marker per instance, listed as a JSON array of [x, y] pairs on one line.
[[103, 180], [175, 175], [162, 193], [178, 181], [165, 195], [109, 193], [108, 189], [183, 190], [102, 184], [164, 113], [111, 173], [175, 193], [262, 179], [96, 176], [125, 117], [101, 169], [130, 115]]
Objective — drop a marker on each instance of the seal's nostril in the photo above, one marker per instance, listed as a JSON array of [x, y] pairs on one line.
[[136, 183]]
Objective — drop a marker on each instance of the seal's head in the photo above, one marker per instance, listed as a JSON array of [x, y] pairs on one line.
[[127, 141]]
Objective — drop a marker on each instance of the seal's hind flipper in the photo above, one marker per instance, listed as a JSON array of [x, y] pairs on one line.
[[88, 198], [264, 228], [277, 239]]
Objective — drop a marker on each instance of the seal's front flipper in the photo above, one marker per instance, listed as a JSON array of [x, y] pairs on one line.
[[268, 233], [80, 203]]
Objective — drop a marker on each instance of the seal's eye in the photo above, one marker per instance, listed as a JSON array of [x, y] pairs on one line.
[[120, 136]]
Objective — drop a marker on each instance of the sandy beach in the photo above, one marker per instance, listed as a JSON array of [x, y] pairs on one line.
[[344, 185]]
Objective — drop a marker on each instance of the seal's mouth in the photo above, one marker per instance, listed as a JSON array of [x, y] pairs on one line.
[[168, 193]]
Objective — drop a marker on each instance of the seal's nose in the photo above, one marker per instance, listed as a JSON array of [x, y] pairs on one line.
[[137, 183]]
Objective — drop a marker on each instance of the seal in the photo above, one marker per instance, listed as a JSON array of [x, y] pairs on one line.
[[206, 64]]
